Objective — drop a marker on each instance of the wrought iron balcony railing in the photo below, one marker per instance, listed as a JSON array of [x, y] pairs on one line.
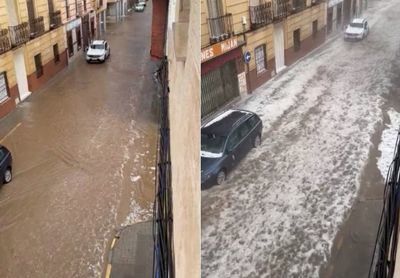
[[281, 9], [298, 5], [260, 15], [220, 28], [19, 34], [36, 27], [5, 43], [55, 19]]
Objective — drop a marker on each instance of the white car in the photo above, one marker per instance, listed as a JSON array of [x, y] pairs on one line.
[[357, 30], [98, 51], [139, 7]]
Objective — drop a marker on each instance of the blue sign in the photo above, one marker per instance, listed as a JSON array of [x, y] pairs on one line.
[[247, 57]]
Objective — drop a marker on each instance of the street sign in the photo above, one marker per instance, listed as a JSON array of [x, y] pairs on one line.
[[247, 57]]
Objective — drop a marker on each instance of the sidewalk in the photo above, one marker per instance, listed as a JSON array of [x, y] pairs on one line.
[[131, 254]]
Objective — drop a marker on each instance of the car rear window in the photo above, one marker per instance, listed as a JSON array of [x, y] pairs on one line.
[[212, 143]]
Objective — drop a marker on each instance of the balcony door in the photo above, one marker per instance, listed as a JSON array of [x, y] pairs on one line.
[[279, 46], [216, 21]]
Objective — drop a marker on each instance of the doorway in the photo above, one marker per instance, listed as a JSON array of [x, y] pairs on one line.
[[279, 45], [20, 73]]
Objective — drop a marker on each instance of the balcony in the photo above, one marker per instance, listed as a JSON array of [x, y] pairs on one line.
[[36, 27], [55, 19], [281, 9], [298, 5], [260, 15], [220, 28], [5, 43], [19, 34]]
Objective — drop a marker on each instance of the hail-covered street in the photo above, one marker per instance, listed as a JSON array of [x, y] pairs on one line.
[[312, 189]]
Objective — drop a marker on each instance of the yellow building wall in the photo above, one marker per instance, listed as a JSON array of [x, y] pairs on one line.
[[264, 35], [3, 15], [238, 9], [7, 64], [205, 36], [304, 20], [44, 45]]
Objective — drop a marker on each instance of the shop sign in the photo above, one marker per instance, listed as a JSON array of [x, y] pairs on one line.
[[3, 87], [332, 3], [218, 49]]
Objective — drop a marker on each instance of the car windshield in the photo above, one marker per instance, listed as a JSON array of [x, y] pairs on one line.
[[97, 46], [356, 25], [212, 143]]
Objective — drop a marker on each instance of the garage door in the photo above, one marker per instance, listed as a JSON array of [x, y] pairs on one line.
[[218, 87]]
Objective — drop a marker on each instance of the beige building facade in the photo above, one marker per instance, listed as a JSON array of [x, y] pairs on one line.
[[246, 42], [32, 48]]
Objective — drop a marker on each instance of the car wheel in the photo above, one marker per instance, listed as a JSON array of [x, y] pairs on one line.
[[8, 175], [257, 141], [221, 177]]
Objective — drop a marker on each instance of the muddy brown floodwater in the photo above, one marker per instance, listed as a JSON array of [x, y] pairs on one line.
[[84, 153]]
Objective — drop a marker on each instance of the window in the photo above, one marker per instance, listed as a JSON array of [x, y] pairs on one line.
[[56, 53], [70, 44], [315, 28], [259, 53], [38, 65], [4, 93], [67, 8], [252, 122], [215, 8], [296, 39], [233, 140], [84, 5], [244, 130]]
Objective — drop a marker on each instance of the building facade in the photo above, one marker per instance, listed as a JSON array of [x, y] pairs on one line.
[[32, 48], [246, 42], [84, 20]]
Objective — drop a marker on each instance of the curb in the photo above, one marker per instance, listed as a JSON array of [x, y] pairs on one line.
[[110, 255]]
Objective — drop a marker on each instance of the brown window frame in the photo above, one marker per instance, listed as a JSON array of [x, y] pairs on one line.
[[297, 44], [56, 53], [38, 65], [315, 28]]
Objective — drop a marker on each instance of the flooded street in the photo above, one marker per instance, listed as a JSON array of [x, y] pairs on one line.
[[84, 151], [280, 211]]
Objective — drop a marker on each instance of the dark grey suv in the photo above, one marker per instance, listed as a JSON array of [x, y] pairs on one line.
[[225, 140]]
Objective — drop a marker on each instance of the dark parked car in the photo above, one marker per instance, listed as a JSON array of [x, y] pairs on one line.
[[225, 140], [5, 165]]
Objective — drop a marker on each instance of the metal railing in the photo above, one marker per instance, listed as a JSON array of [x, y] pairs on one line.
[[55, 19], [163, 265], [384, 257], [260, 15], [220, 28], [36, 26], [5, 43], [281, 9], [19, 34]]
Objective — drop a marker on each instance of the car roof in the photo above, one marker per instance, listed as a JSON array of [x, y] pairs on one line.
[[224, 123], [358, 20], [99, 42]]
